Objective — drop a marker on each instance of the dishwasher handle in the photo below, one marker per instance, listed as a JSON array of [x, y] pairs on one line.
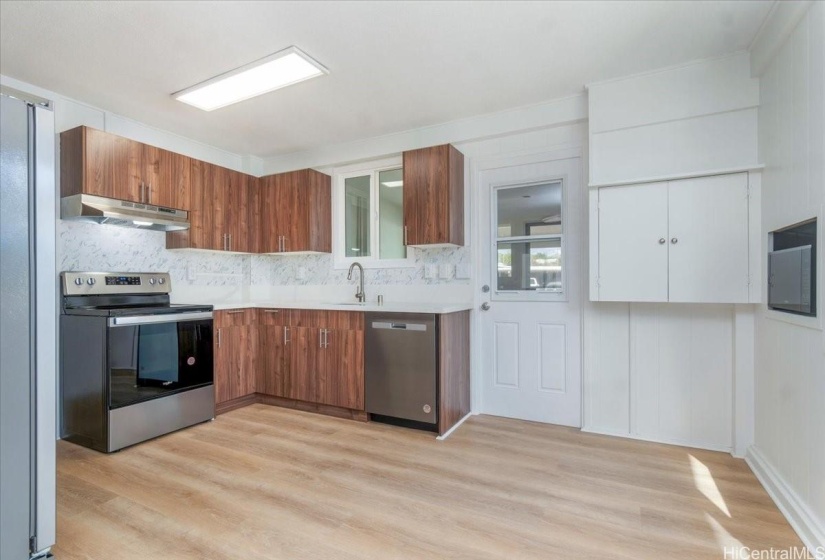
[[399, 326]]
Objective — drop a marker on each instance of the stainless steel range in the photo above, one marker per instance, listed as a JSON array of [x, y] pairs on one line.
[[133, 365]]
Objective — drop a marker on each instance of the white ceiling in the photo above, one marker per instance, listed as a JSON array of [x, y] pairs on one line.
[[394, 66]]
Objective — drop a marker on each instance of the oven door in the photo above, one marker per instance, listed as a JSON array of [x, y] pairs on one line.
[[151, 356]]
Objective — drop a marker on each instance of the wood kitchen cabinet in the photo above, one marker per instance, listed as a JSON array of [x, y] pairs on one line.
[[220, 212], [273, 356], [312, 356], [103, 164], [434, 196], [295, 213], [235, 354]]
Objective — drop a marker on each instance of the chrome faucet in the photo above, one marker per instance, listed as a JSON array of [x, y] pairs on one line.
[[359, 295]]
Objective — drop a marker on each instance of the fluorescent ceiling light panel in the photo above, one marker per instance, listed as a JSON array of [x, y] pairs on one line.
[[392, 184], [275, 71]]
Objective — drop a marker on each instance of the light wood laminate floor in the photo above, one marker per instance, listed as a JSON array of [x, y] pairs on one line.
[[265, 482]]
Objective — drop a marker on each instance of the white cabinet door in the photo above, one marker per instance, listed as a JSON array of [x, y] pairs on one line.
[[708, 239], [633, 245]]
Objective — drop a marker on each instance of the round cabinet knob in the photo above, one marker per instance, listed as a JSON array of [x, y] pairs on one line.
[[662, 241], [78, 281], [161, 280], [90, 281], [151, 281], [426, 408], [674, 241]]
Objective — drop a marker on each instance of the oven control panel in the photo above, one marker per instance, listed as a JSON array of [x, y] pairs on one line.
[[123, 280], [99, 283]]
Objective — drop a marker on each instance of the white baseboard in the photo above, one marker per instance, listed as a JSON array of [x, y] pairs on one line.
[[801, 518], [451, 430], [693, 444]]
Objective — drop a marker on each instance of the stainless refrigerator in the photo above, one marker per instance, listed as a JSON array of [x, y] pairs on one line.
[[28, 338]]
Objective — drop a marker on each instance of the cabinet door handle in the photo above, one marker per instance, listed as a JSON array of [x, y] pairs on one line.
[[140, 192], [326, 338], [405, 236], [286, 335], [230, 241], [219, 338], [149, 193], [674, 240], [272, 310], [285, 239], [235, 312], [662, 241], [320, 338]]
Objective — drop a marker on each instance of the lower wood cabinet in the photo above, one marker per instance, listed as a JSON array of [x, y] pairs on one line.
[[311, 356], [234, 360]]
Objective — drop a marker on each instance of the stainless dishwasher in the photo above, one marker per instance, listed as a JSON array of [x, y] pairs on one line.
[[401, 368]]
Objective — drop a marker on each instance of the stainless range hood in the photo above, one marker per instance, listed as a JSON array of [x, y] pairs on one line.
[[100, 210]]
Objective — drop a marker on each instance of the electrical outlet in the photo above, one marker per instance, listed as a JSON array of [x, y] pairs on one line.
[[431, 271], [190, 273], [302, 273], [445, 271]]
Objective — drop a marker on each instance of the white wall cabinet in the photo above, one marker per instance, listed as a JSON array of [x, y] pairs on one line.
[[684, 241]]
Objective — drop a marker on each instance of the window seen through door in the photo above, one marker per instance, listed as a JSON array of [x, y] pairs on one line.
[[529, 237]]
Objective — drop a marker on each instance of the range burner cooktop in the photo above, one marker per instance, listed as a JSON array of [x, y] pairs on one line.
[[120, 294], [129, 311]]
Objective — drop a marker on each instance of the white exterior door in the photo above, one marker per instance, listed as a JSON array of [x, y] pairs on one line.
[[530, 280], [633, 243], [708, 238]]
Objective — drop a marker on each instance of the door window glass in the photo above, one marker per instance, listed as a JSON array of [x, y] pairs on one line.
[[529, 238]]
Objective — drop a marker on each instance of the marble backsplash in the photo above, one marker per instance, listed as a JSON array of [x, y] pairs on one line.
[[82, 246]]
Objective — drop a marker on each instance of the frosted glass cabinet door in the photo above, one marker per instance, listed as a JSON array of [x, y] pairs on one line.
[[633, 245], [708, 239]]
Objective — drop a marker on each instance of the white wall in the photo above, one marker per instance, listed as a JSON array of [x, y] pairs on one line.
[[678, 121], [789, 452], [677, 373]]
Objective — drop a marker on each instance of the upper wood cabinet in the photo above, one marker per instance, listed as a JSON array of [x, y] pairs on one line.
[[434, 196], [102, 164], [219, 215], [685, 240], [294, 213]]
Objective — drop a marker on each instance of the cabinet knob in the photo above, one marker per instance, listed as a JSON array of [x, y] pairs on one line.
[[674, 240], [662, 241]]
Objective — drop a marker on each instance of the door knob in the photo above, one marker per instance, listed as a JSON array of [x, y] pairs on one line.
[[485, 306], [485, 288]]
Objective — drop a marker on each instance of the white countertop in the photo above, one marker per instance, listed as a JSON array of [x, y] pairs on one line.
[[388, 307]]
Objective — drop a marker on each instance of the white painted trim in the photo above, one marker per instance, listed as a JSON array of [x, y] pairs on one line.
[[774, 32], [679, 443], [801, 518], [449, 432], [691, 175], [664, 69], [744, 378], [566, 110]]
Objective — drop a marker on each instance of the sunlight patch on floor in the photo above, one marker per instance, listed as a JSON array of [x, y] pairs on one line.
[[703, 480]]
